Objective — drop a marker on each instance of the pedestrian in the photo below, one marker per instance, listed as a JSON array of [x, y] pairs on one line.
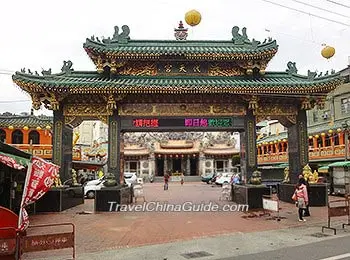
[[301, 199], [166, 181], [182, 178], [303, 181]]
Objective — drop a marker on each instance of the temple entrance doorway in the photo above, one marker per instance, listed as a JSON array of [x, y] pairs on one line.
[[160, 167], [177, 165]]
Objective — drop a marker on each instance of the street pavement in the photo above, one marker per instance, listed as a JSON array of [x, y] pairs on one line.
[[172, 235]]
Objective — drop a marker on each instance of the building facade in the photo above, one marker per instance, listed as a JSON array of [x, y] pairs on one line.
[[327, 132]]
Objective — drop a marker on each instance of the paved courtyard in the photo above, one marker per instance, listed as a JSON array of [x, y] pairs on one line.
[[111, 230]]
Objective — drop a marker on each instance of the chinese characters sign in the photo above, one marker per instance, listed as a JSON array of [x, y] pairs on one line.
[[208, 122], [40, 177], [145, 123], [183, 123]]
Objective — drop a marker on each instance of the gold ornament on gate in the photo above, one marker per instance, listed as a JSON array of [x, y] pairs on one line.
[[193, 17], [327, 52]]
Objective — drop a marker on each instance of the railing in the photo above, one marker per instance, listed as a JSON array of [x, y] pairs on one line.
[[315, 154]]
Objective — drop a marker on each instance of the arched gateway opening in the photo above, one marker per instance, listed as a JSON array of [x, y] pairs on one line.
[[179, 85]]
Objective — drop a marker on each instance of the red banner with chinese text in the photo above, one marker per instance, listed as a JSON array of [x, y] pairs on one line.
[[40, 177]]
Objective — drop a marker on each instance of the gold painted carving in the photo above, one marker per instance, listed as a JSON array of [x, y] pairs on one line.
[[253, 103], [69, 119], [135, 109], [223, 70], [111, 104], [306, 104], [139, 69], [180, 109], [228, 109], [321, 102], [36, 101], [287, 111], [86, 110], [55, 105]]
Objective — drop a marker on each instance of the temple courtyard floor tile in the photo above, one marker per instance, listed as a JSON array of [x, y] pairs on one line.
[[112, 230]]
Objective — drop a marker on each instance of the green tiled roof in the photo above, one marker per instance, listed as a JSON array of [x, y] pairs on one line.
[[90, 82], [188, 49], [18, 121]]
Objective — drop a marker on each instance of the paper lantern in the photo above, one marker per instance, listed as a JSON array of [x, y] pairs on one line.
[[25, 128], [11, 127], [328, 52], [323, 134], [193, 17], [330, 131], [48, 127], [310, 137], [317, 136], [338, 130], [38, 128]]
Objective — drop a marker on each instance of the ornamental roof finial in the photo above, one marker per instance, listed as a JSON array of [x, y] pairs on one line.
[[181, 32]]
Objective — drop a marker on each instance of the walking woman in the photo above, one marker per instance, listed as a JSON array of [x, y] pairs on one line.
[[301, 198]]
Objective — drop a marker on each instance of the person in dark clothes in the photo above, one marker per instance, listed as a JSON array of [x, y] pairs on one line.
[[306, 183]]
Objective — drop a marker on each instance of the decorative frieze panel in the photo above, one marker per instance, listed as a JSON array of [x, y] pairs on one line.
[[73, 113], [288, 111], [181, 109]]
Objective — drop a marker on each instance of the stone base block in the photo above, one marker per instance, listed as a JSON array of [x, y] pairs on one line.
[[250, 195]]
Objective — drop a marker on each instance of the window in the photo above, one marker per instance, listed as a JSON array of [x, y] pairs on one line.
[[34, 136], [17, 137], [345, 105], [2, 135]]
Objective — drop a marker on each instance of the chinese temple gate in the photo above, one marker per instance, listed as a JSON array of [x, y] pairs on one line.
[[178, 85]]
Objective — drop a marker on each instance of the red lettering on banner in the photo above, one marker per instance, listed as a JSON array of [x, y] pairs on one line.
[[40, 177]]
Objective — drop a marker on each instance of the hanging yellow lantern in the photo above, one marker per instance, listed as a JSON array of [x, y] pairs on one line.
[[193, 17], [11, 127], [328, 52], [317, 136], [323, 134], [38, 128], [25, 128], [48, 127], [310, 137], [284, 140], [339, 130], [330, 131]]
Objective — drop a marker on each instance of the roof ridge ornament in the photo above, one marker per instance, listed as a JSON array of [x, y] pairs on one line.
[[181, 32], [238, 38], [291, 68], [67, 67], [46, 72], [122, 37]]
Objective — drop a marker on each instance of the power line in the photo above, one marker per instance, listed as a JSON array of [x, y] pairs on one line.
[[319, 8], [336, 3], [303, 12]]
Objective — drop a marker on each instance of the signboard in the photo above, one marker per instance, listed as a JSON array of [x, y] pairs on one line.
[[182, 123], [47, 242], [269, 204]]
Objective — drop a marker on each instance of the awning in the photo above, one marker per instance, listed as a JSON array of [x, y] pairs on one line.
[[323, 169], [340, 164], [276, 166], [13, 161]]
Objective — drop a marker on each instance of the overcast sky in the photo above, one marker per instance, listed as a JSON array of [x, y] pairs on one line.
[[41, 34]]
